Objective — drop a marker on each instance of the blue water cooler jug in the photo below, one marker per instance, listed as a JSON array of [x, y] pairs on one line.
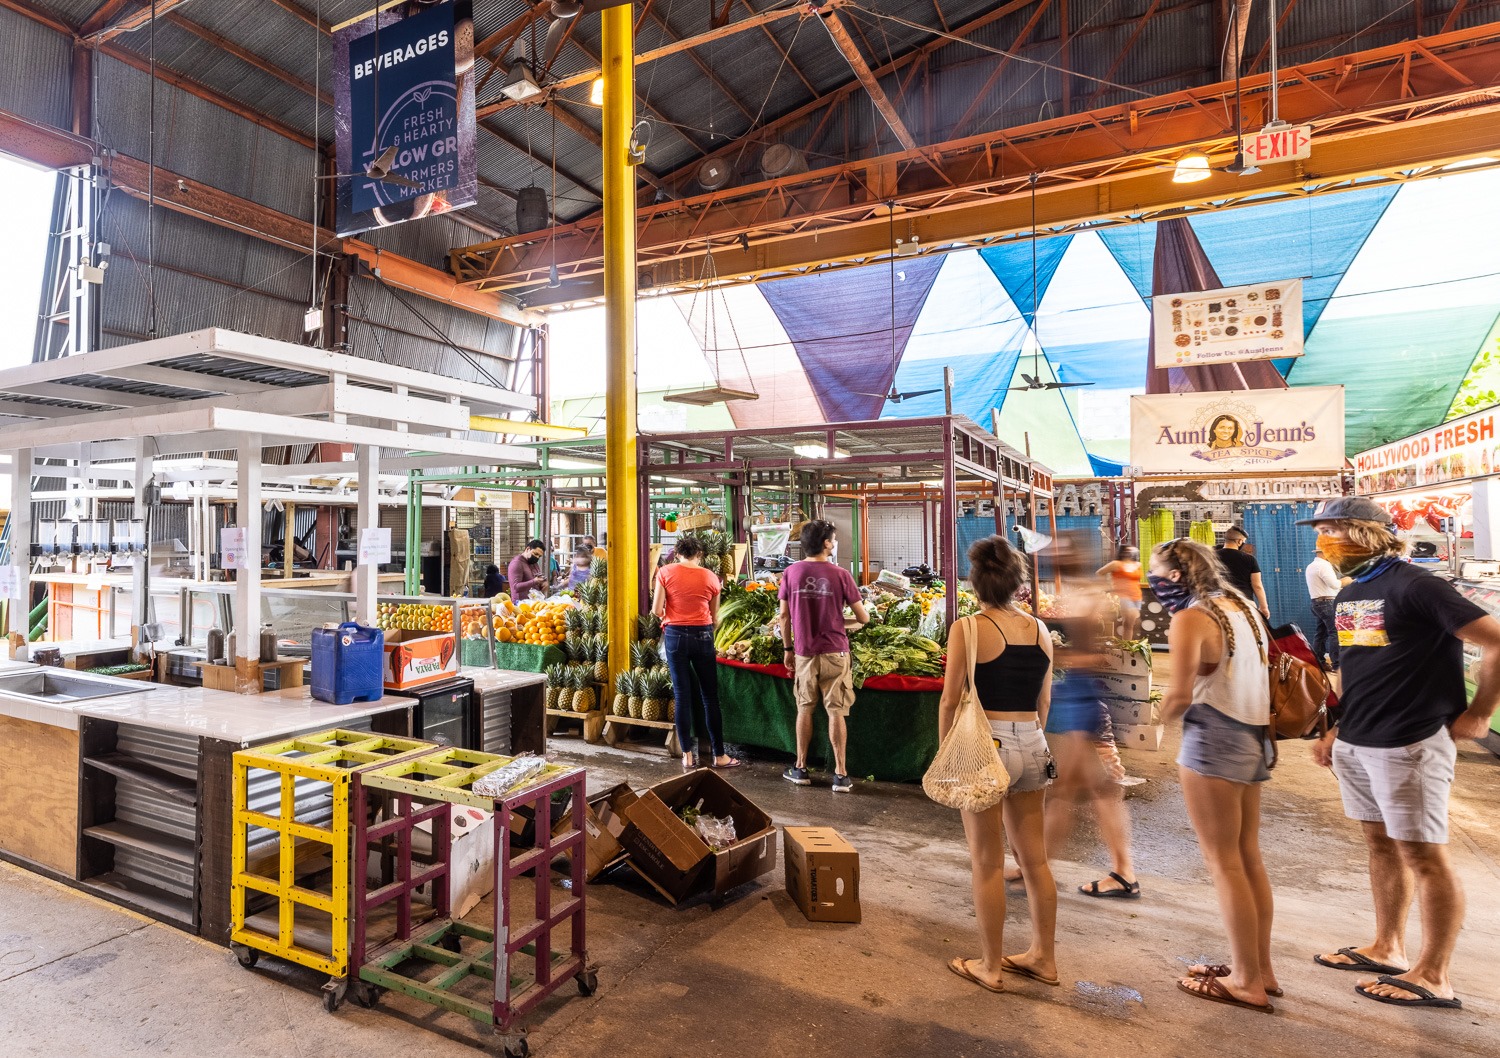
[[348, 664]]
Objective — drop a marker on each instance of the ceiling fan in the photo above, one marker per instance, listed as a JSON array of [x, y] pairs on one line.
[[896, 397], [559, 14], [1033, 382], [379, 169]]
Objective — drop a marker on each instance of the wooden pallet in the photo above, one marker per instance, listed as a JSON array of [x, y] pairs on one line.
[[613, 724], [593, 722]]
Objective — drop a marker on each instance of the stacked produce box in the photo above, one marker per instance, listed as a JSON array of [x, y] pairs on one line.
[[1132, 702]]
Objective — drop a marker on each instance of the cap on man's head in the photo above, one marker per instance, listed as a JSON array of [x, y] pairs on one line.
[[1348, 509]]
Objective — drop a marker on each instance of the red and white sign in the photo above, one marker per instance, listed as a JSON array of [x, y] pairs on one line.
[[1464, 448], [1281, 143]]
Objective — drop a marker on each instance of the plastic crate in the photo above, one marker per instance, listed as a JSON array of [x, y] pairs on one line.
[[348, 664]]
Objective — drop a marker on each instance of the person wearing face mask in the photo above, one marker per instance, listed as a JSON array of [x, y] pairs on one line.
[[1220, 688], [1404, 706]]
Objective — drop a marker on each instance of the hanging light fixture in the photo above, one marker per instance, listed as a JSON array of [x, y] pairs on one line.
[[1191, 168], [596, 92]]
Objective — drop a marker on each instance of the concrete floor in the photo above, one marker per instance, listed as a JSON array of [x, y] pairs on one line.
[[83, 978]]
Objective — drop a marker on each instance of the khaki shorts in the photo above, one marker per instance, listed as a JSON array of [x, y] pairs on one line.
[[828, 678], [1405, 787]]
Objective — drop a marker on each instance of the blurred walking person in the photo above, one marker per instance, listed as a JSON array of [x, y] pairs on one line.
[[1220, 688], [1124, 575]]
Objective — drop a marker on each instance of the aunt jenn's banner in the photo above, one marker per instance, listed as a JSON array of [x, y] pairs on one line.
[[1272, 430], [1259, 322], [404, 104]]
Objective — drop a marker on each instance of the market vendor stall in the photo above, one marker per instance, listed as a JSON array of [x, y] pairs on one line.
[[893, 728]]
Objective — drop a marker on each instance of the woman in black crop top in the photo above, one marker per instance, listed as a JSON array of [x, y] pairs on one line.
[[1013, 681]]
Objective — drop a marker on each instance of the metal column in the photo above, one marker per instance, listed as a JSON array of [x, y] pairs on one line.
[[367, 574], [621, 500], [247, 579]]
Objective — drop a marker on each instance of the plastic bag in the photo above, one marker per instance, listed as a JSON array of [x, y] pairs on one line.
[[716, 833], [934, 625], [967, 773], [501, 781], [771, 540]]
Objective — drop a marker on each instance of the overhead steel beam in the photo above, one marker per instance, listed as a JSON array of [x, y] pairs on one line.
[[674, 48], [136, 20], [1374, 112], [839, 33], [56, 148], [247, 57]]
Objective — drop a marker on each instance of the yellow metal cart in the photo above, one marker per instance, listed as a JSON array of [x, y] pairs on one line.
[[301, 918]]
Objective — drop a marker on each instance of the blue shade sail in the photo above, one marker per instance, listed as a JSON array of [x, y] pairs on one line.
[[841, 324], [1011, 264]]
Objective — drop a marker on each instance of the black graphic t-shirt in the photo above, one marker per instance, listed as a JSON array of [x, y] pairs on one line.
[[1240, 567], [1402, 664]]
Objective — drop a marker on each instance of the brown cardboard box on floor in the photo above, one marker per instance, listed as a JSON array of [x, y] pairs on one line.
[[603, 824], [822, 873], [674, 859]]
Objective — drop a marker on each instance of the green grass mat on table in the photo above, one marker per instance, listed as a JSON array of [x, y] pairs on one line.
[[892, 734], [525, 657]]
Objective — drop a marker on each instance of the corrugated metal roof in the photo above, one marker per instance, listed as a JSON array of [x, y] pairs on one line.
[[44, 98]]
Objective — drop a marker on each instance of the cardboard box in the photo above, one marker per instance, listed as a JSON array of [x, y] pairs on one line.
[[603, 825], [414, 659], [1145, 736], [674, 859], [822, 873], [1135, 688], [1126, 663], [1124, 713]]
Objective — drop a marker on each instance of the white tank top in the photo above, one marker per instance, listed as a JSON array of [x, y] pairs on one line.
[[1239, 686]]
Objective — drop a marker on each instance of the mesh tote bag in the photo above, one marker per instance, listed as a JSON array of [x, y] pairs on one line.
[[967, 773]]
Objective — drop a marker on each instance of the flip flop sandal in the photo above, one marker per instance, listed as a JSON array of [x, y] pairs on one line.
[[734, 762], [1010, 966], [1218, 969], [1127, 890], [1361, 963], [1215, 992], [961, 967], [1424, 998]]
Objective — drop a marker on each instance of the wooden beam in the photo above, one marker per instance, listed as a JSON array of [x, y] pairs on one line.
[[247, 57], [103, 15], [36, 14], [579, 127], [1120, 56], [57, 148], [703, 67], [871, 84], [129, 23], [304, 14], [786, 55], [543, 160], [1000, 67]]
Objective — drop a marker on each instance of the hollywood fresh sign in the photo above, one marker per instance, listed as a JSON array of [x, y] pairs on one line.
[[1463, 448], [1273, 430]]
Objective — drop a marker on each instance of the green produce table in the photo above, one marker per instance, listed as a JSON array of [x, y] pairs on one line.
[[525, 657], [892, 734]]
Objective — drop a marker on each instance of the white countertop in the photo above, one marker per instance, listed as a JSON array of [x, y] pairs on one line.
[[500, 679], [242, 718]]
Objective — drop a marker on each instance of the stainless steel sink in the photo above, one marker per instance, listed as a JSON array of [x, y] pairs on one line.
[[60, 686]]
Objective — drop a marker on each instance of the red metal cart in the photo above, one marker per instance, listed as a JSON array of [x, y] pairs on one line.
[[518, 959]]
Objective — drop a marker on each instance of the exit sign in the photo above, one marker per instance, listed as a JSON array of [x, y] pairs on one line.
[[1283, 143]]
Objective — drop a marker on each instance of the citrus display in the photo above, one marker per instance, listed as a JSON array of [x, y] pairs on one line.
[[414, 617]]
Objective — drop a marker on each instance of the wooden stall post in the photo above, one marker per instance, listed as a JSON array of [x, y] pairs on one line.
[[367, 574], [20, 550], [247, 578]]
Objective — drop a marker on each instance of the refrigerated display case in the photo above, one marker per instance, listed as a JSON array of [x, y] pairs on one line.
[[444, 712]]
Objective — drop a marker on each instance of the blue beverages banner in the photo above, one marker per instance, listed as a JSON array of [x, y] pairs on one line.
[[404, 105]]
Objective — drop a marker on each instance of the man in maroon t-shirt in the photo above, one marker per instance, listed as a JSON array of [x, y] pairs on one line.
[[813, 595]]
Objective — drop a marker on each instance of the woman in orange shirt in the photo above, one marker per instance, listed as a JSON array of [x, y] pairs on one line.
[[1124, 574], [686, 598]]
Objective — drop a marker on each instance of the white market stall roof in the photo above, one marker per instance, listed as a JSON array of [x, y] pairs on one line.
[[205, 390]]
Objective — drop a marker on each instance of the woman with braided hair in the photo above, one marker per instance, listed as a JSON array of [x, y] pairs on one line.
[[1220, 689]]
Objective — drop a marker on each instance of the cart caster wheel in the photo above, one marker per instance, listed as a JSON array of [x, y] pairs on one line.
[[245, 956], [517, 1048], [333, 994], [588, 982], [364, 995]]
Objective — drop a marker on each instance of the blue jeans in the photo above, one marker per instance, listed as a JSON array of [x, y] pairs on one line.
[[1327, 634], [691, 660]]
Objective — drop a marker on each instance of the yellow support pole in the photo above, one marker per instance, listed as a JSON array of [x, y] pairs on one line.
[[546, 431], [622, 521]]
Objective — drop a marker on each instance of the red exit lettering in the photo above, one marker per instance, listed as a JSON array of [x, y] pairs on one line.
[[1283, 144]]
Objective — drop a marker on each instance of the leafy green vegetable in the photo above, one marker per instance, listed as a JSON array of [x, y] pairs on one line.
[[879, 650]]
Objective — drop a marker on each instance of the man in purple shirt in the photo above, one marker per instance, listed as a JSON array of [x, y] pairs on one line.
[[813, 595], [523, 573]]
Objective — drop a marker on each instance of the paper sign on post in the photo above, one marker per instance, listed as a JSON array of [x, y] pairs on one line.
[[10, 582], [232, 548], [374, 546]]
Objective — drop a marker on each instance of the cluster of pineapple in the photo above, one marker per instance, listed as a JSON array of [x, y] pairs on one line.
[[718, 552], [644, 692], [571, 686]]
